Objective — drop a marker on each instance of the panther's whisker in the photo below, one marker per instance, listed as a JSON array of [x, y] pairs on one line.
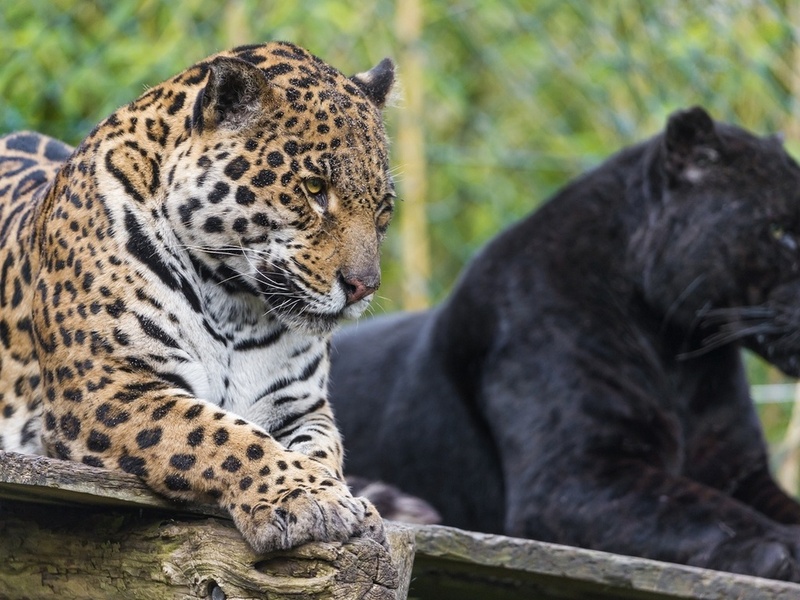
[[727, 336]]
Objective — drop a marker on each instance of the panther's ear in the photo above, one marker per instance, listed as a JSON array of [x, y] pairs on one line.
[[236, 95], [691, 144], [377, 82]]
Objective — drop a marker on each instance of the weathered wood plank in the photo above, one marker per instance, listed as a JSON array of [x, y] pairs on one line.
[[201, 547], [92, 553], [72, 531], [43, 479], [454, 564]]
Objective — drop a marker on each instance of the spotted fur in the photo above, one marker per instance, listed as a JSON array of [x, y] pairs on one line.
[[168, 288]]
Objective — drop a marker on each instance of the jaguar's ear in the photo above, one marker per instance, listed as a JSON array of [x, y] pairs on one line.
[[235, 95], [377, 82], [691, 144]]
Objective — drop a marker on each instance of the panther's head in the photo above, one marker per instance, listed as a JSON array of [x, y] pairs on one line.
[[719, 251], [284, 188]]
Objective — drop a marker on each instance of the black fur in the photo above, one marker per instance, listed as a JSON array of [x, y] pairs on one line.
[[583, 383]]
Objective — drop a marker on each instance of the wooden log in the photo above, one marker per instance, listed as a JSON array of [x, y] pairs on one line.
[[76, 546], [452, 564], [106, 535], [49, 480]]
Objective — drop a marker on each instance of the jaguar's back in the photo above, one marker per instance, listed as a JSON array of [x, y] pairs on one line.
[[29, 163]]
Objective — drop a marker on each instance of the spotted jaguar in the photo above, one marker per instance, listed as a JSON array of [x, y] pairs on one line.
[[168, 288]]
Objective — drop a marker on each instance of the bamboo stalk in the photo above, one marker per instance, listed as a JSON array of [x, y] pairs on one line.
[[410, 152], [788, 473], [789, 470]]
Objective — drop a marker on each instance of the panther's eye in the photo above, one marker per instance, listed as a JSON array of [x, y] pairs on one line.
[[783, 237], [706, 157]]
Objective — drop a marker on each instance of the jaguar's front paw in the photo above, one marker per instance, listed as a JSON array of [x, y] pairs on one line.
[[371, 525], [325, 513]]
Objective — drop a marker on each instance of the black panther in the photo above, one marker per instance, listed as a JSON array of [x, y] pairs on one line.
[[583, 384]]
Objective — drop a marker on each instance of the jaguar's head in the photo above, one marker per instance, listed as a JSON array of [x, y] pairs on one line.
[[284, 190]]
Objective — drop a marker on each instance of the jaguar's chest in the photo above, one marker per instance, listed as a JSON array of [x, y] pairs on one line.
[[237, 357]]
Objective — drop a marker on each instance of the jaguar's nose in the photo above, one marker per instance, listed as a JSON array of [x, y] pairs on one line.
[[357, 286]]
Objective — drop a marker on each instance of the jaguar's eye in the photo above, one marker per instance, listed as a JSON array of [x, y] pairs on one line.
[[384, 216], [315, 185], [776, 231], [317, 188]]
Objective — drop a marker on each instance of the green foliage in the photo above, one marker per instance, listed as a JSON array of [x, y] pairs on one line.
[[522, 94], [68, 64], [528, 94]]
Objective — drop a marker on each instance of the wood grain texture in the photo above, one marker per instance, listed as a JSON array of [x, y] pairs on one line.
[[451, 564], [43, 479], [72, 531], [91, 553]]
